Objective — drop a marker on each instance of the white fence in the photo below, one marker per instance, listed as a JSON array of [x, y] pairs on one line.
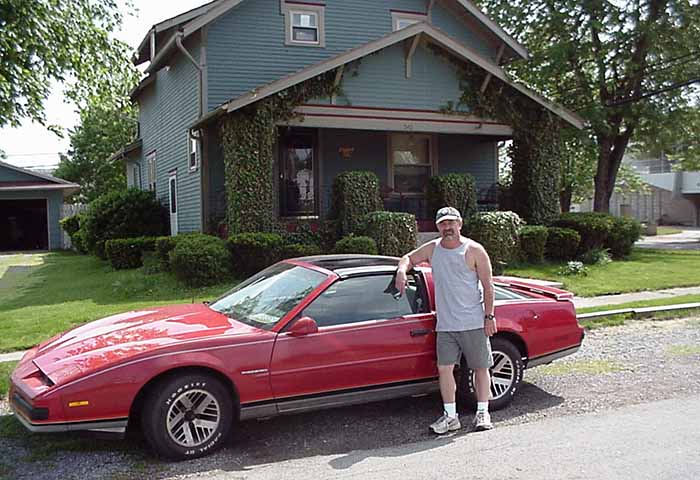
[[68, 210]]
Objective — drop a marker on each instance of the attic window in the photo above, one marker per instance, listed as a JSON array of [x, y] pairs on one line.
[[401, 19], [304, 25]]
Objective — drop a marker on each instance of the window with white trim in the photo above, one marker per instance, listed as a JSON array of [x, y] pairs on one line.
[[304, 25], [411, 162], [193, 151], [151, 163], [401, 20]]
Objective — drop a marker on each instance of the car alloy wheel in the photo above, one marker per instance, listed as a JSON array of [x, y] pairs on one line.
[[187, 415], [193, 418], [506, 375]]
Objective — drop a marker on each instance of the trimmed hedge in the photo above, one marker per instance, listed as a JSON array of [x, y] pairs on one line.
[[356, 244], [329, 234], [533, 241], [199, 260], [562, 243], [124, 253], [621, 239], [498, 233], [164, 245], [122, 214], [252, 252], [295, 250], [454, 190], [71, 225], [355, 194], [593, 227], [395, 233]]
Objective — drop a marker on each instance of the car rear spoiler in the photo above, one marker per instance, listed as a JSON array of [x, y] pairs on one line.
[[547, 291]]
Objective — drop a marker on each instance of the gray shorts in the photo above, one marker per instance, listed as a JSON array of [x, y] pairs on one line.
[[474, 344]]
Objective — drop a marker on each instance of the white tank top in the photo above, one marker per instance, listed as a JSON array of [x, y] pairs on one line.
[[458, 292]]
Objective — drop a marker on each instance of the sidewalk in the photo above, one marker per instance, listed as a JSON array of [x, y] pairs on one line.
[[585, 302], [688, 239]]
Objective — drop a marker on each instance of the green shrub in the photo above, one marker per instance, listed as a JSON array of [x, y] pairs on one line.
[[533, 241], [295, 250], [151, 263], [164, 245], [394, 233], [71, 225], [355, 194], [252, 252], [199, 260], [126, 253], [498, 233], [621, 239], [122, 214], [597, 256], [593, 227], [573, 269], [454, 190], [562, 243], [329, 234], [356, 244], [303, 235]]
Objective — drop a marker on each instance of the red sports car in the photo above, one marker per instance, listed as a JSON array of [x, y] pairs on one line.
[[303, 334]]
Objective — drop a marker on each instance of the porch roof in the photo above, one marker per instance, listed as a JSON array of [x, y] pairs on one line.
[[415, 31]]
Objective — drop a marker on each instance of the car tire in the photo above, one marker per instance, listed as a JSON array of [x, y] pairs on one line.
[[506, 376], [187, 416]]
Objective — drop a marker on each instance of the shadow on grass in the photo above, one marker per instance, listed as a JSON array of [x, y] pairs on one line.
[[67, 277]]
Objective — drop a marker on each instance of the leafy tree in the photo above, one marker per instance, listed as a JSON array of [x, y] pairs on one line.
[[103, 129], [601, 58], [66, 40]]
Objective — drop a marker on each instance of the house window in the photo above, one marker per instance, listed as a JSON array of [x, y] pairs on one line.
[[193, 151], [136, 177], [151, 162], [411, 162], [401, 20], [298, 177], [304, 24]]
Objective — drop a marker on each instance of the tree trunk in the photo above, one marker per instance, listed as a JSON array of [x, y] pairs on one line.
[[611, 149], [565, 195]]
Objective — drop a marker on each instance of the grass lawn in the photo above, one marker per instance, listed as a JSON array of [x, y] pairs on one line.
[[643, 303], [667, 230], [645, 269], [70, 289], [5, 371]]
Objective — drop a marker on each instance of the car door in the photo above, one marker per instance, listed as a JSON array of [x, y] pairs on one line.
[[366, 337]]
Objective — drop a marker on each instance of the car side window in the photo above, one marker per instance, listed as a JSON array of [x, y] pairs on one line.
[[503, 293], [358, 299]]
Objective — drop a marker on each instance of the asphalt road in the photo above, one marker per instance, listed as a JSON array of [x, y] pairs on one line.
[[657, 440]]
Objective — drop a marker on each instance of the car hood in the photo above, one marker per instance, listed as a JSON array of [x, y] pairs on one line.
[[115, 339]]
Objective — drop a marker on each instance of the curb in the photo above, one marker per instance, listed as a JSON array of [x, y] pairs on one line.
[[660, 308]]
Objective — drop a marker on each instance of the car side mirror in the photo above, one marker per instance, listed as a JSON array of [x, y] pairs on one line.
[[303, 326]]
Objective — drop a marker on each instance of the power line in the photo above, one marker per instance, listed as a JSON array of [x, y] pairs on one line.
[[653, 92]]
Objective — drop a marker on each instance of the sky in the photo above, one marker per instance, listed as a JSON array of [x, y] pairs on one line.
[[32, 145]]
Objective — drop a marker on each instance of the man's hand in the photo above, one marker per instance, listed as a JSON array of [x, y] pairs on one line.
[[401, 280], [490, 327]]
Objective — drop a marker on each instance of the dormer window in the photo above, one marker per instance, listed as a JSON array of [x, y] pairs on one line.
[[401, 19], [304, 24]]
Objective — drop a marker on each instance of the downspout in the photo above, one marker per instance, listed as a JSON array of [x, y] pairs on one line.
[[200, 70]]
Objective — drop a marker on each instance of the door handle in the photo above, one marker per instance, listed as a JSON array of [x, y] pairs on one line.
[[420, 331]]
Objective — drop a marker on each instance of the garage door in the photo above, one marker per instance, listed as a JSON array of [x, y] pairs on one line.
[[24, 225]]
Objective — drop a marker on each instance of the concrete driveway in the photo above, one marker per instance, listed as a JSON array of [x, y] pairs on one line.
[[688, 239]]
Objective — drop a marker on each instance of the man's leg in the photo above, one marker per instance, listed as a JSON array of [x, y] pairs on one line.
[[483, 384], [448, 386], [448, 352], [477, 348]]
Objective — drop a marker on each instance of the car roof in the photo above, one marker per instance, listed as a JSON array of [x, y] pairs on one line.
[[342, 264]]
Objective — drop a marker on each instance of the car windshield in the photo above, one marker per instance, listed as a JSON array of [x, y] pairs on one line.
[[269, 295]]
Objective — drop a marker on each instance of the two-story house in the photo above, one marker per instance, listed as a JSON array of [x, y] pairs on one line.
[[387, 57]]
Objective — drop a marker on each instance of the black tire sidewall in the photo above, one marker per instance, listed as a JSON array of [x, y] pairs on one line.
[[153, 419], [467, 388]]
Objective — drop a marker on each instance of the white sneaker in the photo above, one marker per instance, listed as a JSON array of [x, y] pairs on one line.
[[482, 421], [446, 424]]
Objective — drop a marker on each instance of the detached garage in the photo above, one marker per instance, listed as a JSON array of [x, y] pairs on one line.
[[30, 209]]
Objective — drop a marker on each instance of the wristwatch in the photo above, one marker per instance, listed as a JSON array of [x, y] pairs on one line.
[[489, 316]]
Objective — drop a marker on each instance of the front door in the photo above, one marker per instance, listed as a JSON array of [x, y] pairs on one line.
[[298, 173], [172, 194], [366, 337]]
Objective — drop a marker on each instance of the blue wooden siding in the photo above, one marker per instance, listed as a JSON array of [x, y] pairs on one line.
[[55, 201], [245, 48], [369, 154], [470, 154], [380, 81], [9, 175], [446, 21], [167, 108]]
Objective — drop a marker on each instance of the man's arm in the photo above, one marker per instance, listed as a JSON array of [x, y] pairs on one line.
[[483, 270], [408, 261]]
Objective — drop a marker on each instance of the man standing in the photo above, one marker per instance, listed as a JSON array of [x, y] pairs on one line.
[[464, 322]]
